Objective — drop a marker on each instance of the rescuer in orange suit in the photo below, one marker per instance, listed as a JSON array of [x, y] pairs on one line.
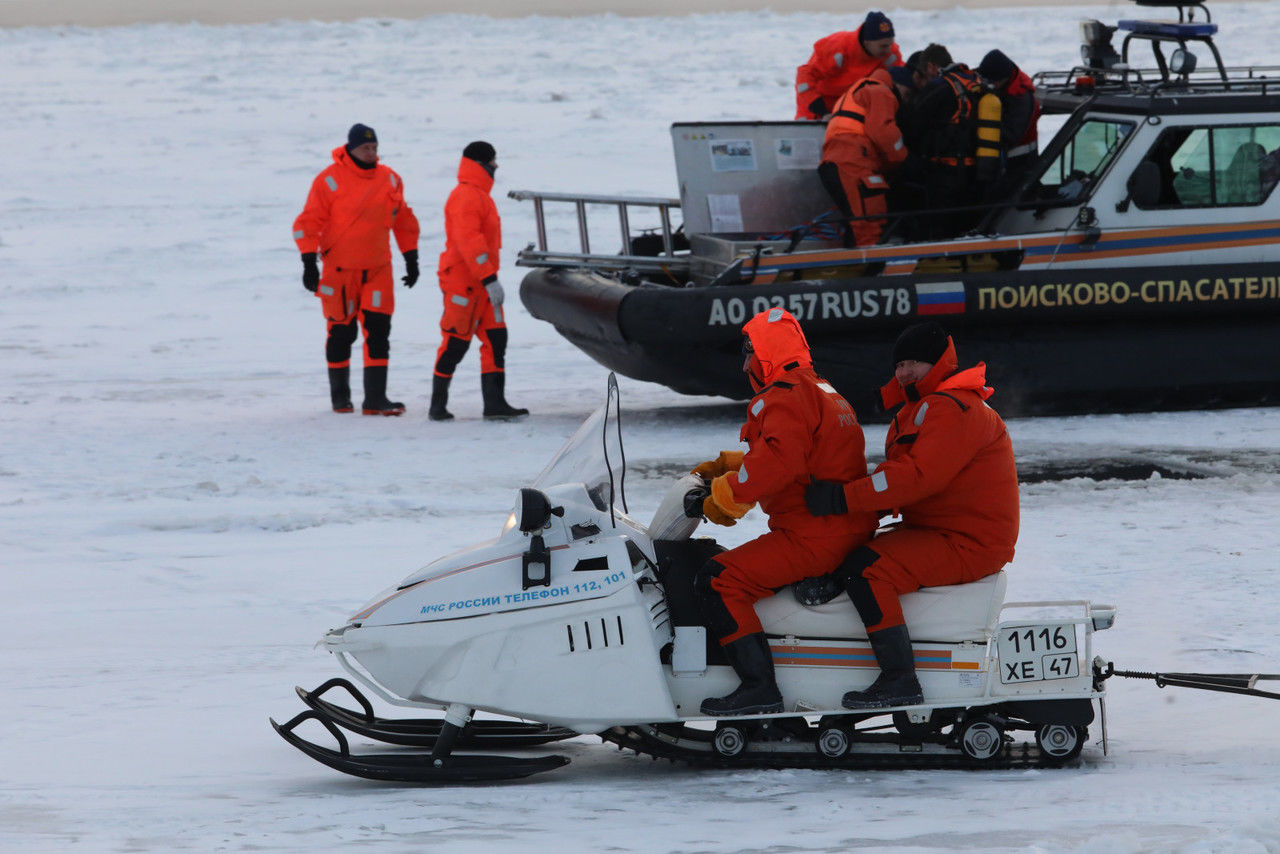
[[841, 60], [798, 428], [353, 207], [472, 293], [862, 143], [949, 472]]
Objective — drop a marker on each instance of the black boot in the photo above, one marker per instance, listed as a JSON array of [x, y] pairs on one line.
[[340, 389], [897, 684], [495, 401], [758, 694], [440, 399], [375, 394]]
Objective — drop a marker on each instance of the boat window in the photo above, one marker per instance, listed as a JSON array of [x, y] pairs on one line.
[[1214, 167], [1075, 171]]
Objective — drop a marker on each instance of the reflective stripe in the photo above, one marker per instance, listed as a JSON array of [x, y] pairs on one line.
[[875, 179], [393, 180], [775, 314], [299, 234], [377, 299], [497, 314], [756, 407], [1020, 150], [459, 300], [924, 407], [802, 88], [898, 145], [742, 474], [351, 306], [327, 290], [482, 258], [827, 388], [333, 185], [839, 58], [879, 482]]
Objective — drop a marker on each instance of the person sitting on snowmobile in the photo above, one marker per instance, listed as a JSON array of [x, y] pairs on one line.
[[949, 472], [798, 428]]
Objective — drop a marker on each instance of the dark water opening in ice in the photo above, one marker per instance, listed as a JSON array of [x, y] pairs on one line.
[[1058, 470]]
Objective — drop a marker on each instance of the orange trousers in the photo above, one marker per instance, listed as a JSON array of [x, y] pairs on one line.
[[468, 312], [863, 183], [904, 560], [346, 295], [759, 568]]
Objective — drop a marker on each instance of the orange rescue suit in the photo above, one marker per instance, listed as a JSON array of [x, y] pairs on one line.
[[798, 427], [863, 142], [949, 471], [347, 218], [838, 62], [473, 238]]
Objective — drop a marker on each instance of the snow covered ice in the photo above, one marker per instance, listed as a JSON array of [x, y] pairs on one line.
[[182, 517]]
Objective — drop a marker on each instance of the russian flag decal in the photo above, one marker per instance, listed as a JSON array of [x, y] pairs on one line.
[[940, 298]]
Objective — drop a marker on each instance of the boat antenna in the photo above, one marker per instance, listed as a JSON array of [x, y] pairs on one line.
[[614, 397]]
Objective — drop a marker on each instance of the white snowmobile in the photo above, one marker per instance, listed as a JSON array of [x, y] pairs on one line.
[[582, 619]]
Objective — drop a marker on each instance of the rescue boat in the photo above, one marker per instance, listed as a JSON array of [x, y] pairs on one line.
[[1137, 267]]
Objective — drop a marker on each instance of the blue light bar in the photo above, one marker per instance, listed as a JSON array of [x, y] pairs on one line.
[[1195, 29]]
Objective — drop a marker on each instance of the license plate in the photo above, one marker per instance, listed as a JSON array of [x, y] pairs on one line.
[[1037, 652]]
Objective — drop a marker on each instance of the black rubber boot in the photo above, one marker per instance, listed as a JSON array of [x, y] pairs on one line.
[[758, 694], [897, 684], [375, 394], [340, 389], [440, 399], [496, 407]]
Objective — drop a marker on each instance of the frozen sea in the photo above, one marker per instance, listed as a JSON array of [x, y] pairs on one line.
[[181, 517]]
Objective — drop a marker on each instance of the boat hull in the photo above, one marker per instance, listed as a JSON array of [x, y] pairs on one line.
[[1054, 341]]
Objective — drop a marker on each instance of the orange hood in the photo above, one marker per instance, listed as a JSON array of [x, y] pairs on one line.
[[943, 376], [343, 158], [779, 344], [471, 172]]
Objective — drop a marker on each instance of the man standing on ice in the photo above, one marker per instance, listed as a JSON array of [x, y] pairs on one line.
[[472, 293], [949, 472], [353, 208], [798, 428]]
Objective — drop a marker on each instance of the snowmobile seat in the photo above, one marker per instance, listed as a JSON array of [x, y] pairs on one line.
[[954, 613]]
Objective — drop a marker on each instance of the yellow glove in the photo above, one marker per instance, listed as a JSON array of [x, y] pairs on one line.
[[719, 507], [727, 461]]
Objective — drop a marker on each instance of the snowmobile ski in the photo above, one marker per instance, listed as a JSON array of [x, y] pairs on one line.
[[412, 766], [424, 732]]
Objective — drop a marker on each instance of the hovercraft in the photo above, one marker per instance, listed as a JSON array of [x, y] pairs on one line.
[[1137, 267]]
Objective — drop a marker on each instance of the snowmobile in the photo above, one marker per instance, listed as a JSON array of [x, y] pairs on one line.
[[578, 618]]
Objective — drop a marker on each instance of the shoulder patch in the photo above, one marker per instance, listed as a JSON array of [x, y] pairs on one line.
[[919, 419], [826, 386], [757, 407], [332, 183]]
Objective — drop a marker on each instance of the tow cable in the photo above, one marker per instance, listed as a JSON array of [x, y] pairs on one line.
[[1229, 683]]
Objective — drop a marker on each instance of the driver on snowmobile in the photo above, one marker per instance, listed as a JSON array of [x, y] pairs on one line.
[[798, 428], [949, 472]]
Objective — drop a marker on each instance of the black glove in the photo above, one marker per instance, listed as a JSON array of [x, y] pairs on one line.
[[410, 277], [825, 498], [310, 272], [693, 501]]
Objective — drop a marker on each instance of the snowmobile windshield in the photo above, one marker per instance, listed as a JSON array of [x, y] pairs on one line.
[[593, 456]]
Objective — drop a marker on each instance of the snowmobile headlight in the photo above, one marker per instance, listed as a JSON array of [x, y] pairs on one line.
[[534, 511]]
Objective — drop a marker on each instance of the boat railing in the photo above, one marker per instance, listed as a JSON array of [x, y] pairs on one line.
[[542, 255], [1085, 80]]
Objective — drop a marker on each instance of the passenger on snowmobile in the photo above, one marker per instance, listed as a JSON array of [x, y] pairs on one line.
[[949, 472], [798, 428]]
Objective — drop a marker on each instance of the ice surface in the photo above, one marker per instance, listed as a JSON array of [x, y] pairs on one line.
[[182, 517]]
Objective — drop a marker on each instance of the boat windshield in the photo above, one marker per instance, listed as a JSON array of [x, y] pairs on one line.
[[593, 455], [1073, 174]]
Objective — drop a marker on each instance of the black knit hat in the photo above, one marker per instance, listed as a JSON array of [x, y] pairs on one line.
[[359, 135], [903, 76], [924, 342], [876, 26], [995, 66], [480, 151]]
